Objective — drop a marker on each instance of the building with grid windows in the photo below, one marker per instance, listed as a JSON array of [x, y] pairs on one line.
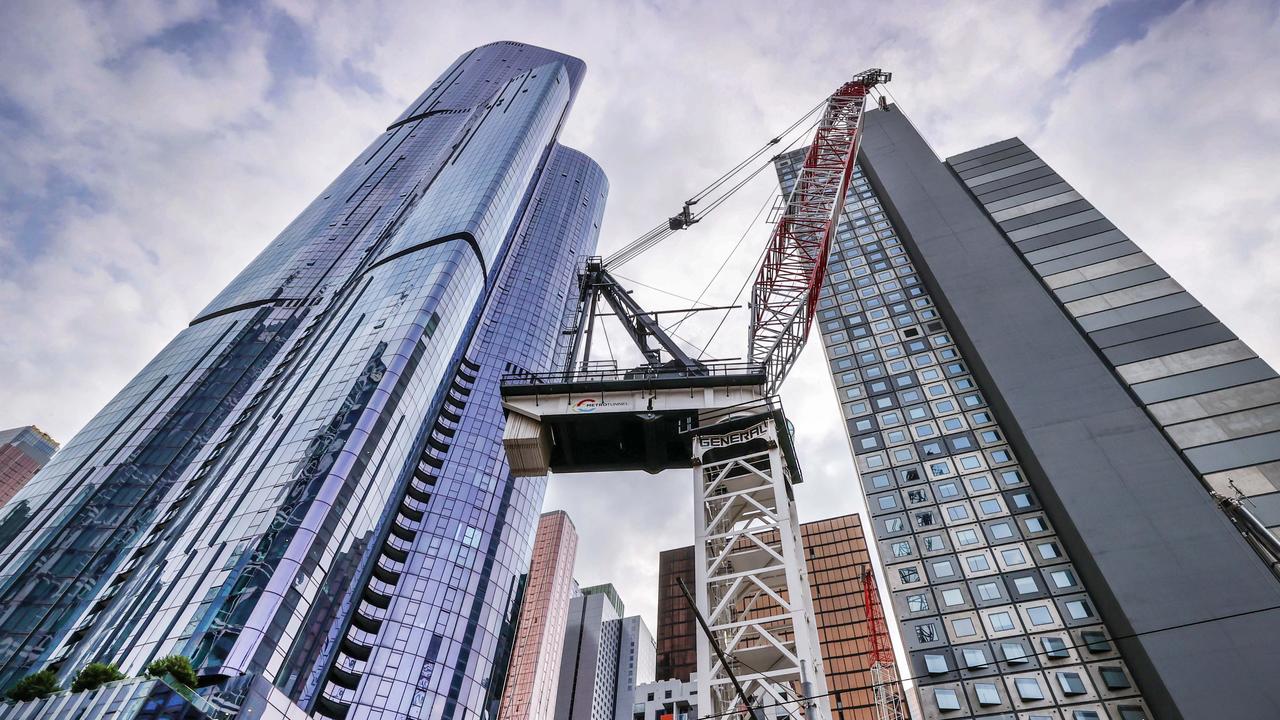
[[1038, 413], [305, 492], [606, 655]]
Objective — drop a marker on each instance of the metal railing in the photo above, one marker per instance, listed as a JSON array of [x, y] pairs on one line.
[[643, 372]]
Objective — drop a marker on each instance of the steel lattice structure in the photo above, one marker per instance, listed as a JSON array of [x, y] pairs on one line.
[[786, 289], [884, 672]]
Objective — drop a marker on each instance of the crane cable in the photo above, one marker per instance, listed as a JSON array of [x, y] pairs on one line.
[[663, 230]]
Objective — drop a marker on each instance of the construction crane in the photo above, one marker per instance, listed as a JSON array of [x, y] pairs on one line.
[[884, 675], [721, 420]]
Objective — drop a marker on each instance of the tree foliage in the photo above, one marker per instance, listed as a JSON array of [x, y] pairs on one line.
[[179, 666], [36, 685], [94, 676]]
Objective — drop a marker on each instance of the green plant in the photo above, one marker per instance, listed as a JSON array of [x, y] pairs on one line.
[[94, 676], [179, 666], [35, 685]]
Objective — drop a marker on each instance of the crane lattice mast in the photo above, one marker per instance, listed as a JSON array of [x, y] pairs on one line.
[[786, 289], [884, 674]]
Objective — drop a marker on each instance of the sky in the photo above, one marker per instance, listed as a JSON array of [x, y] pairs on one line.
[[149, 150]]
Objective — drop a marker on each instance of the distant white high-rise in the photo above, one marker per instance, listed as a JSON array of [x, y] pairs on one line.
[[605, 656]]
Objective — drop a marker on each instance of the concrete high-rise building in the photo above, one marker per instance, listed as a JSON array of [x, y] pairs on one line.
[[1037, 413], [666, 700], [534, 671], [306, 490], [836, 556], [636, 657], [23, 451], [605, 656]]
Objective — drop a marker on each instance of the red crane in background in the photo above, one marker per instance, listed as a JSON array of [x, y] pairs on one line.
[[884, 674]]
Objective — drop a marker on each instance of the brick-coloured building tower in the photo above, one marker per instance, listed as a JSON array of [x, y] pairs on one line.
[[23, 451], [530, 693]]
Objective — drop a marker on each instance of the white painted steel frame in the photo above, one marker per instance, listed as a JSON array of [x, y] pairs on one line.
[[752, 585]]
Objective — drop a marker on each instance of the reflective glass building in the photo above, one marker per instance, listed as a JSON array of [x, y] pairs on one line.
[[307, 485], [1038, 413]]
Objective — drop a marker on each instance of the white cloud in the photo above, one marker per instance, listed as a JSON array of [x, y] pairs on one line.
[[160, 169]]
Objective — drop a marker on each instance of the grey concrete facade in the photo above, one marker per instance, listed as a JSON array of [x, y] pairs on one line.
[[1191, 606]]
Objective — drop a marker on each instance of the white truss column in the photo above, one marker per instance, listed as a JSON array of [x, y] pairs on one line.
[[752, 584]]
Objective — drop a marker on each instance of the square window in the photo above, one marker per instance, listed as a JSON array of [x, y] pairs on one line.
[[902, 549], [887, 502], [1000, 456], [946, 699], [917, 496], [1013, 652], [1049, 551], [980, 483], [935, 664], [926, 632], [1021, 501], [989, 591], [1063, 578], [1026, 585], [893, 525], [1013, 556], [1084, 715], [978, 563], [1010, 477], [917, 603], [925, 518], [1071, 683], [1029, 689], [947, 490], [974, 658], [990, 506], [1114, 678], [943, 569], [952, 597], [961, 443], [933, 543], [953, 424], [880, 481], [967, 537], [1079, 610], [957, 513], [1054, 647], [970, 463], [903, 455], [1001, 622], [1040, 615], [1131, 712], [987, 694], [909, 574], [1096, 641], [939, 469], [1001, 531], [963, 627]]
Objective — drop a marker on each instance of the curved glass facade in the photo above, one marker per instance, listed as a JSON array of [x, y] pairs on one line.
[[307, 484]]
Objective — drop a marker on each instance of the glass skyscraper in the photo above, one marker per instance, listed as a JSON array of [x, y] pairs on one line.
[[307, 486], [1037, 414]]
